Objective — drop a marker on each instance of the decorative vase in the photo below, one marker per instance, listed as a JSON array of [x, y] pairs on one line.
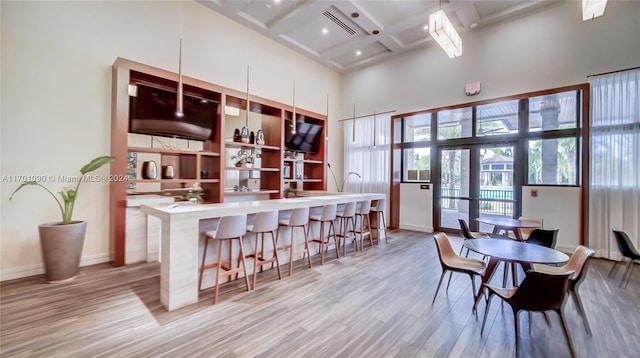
[[260, 137], [244, 135], [61, 249], [149, 170], [167, 172]]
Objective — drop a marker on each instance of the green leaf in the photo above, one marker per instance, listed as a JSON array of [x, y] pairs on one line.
[[22, 186], [96, 163]]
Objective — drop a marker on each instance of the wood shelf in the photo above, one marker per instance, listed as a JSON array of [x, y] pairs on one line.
[[310, 161], [231, 144], [253, 169], [171, 151]]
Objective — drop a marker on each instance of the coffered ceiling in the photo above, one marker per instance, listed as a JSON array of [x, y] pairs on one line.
[[344, 34]]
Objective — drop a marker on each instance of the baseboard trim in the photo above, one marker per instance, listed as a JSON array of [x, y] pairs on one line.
[[428, 229], [34, 270]]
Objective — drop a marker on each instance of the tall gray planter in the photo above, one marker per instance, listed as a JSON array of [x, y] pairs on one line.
[[61, 249]]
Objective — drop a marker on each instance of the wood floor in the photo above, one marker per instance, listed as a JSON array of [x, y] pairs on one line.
[[375, 303]]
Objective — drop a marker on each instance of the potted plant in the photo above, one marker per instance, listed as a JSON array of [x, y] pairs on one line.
[[61, 242], [244, 158]]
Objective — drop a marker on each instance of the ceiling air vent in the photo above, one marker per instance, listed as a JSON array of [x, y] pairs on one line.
[[339, 22]]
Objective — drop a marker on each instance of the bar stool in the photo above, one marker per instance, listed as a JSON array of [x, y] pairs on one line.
[[379, 210], [265, 222], [363, 213], [230, 228], [299, 218], [348, 214], [328, 216]]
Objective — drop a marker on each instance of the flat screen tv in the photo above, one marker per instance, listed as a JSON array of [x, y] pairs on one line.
[[306, 138], [153, 111]]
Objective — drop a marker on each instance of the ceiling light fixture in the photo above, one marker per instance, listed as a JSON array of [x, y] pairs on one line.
[[442, 30], [325, 31], [326, 125], [353, 126], [374, 129], [246, 118], [358, 53], [592, 9]]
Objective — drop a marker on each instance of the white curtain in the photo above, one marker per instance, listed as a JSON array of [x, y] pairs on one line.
[[372, 163], [614, 196]]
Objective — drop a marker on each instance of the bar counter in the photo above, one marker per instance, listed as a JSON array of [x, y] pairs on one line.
[[183, 225]]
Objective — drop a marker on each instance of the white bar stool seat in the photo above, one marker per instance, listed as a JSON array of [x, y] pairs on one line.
[[299, 218], [328, 215], [229, 228], [265, 222]]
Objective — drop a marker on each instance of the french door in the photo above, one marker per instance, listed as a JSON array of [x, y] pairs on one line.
[[475, 180]]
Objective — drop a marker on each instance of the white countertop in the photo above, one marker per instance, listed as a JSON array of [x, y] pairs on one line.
[[203, 211]]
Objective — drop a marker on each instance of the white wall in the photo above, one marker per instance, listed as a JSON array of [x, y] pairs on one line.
[[56, 62], [550, 48], [558, 207]]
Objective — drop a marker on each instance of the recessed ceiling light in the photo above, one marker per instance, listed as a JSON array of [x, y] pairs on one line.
[[375, 32], [425, 27], [325, 31], [473, 25], [276, 1], [358, 53], [355, 15]]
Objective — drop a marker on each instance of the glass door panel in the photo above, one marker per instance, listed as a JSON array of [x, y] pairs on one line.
[[496, 197], [455, 195]]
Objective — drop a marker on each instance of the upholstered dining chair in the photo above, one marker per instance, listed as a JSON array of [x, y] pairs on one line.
[[469, 235], [577, 263], [449, 261], [628, 253], [538, 292], [525, 232], [543, 237]]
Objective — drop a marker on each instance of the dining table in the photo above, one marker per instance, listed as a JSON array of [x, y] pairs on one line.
[[511, 251], [508, 224]]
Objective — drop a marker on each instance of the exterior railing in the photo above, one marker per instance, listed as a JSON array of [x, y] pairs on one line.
[[496, 202]]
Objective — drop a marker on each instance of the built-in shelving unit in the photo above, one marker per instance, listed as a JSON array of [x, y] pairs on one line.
[[207, 163]]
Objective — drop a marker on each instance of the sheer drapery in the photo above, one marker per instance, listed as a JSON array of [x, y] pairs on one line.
[[371, 163], [614, 194]]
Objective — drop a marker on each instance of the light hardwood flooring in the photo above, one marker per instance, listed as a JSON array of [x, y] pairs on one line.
[[375, 303]]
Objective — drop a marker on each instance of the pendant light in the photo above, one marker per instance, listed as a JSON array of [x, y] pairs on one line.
[[353, 125], [179, 104], [326, 124], [246, 117], [374, 129]]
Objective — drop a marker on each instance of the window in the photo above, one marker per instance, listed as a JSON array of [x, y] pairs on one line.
[[417, 164], [553, 161], [497, 118], [456, 123], [553, 111], [417, 128]]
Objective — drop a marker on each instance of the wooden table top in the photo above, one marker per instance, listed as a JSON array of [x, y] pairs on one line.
[[515, 251]]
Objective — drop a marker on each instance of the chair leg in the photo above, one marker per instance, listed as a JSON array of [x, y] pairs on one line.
[[335, 241], [275, 255], [626, 276], [255, 261], [291, 253], [438, 288], [217, 282], [305, 232], [384, 226], [581, 311], [321, 248], [566, 333], [244, 264], [516, 329], [204, 256], [486, 312], [613, 268]]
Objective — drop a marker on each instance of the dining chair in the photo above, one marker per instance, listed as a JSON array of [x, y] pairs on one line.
[[538, 292], [629, 252], [543, 237], [577, 263], [469, 235], [524, 231], [449, 261]]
